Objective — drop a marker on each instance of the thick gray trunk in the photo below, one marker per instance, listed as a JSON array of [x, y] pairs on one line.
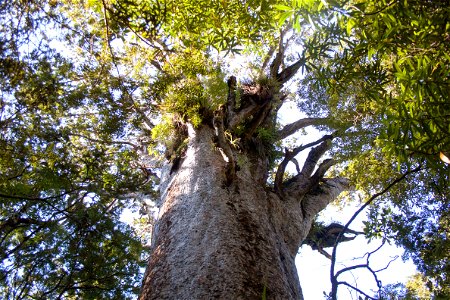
[[215, 241]]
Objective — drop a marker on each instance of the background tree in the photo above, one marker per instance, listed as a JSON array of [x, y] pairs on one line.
[[414, 289], [65, 170], [100, 99]]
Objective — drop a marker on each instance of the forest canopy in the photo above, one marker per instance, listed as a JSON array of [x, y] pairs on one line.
[[94, 93]]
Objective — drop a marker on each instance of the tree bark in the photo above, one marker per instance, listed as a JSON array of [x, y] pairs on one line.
[[215, 240]]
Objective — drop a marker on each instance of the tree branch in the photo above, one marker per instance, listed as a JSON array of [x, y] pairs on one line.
[[267, 59], [366, 266], [322, 169], [38, 198], [231, 99], [356, 289], [292, 128], [242, 115], [103, 141], [290, 71], [290, 155], [315, 154], [333, 276], [258, 119], [317, 199], [278, 60], [224, 145]]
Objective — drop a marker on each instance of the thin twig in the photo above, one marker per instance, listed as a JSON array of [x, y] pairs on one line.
[[333, 276]]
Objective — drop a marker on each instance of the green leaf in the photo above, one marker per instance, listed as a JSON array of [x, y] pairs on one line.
[[283, 7], [350, 24], [283, 17]]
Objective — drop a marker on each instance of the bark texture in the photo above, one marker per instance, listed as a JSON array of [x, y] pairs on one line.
[[216, 240]]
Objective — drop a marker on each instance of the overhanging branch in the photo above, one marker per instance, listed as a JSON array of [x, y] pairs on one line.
[[299, 124]]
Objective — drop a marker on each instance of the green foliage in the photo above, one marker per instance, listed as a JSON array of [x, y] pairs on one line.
[[82, 83], [193, 87], [380, 71], [267, 135], [63, 168], [224, 25], [415, 289], [190, 90], [371, 69]]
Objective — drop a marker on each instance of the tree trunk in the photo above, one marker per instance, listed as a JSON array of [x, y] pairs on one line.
[[215, 240]]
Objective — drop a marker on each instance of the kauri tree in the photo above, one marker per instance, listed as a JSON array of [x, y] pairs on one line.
[[114, 104]]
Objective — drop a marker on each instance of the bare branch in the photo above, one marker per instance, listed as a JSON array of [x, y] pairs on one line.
[[356, 289], [333, 276], [365, 266], [361, 266], [299, 124]]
